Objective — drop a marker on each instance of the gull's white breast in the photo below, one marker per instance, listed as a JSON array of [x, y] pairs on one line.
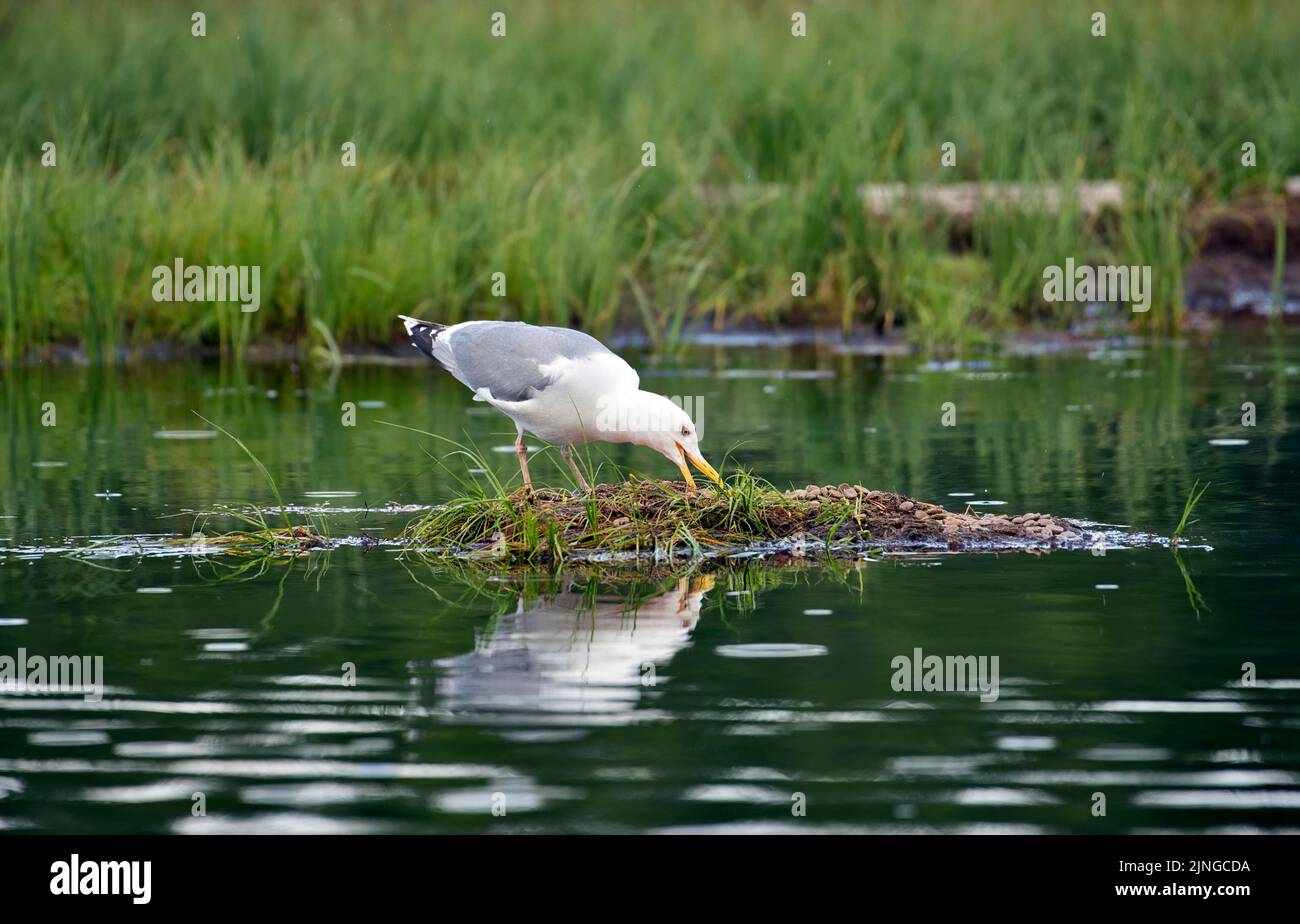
[[578, 403]]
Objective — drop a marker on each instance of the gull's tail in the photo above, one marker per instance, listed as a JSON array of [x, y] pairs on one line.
[[423, 334]]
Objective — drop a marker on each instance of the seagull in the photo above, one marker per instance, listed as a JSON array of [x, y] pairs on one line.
[[563, 386]]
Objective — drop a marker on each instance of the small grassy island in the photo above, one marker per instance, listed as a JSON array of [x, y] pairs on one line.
[[668, 518]]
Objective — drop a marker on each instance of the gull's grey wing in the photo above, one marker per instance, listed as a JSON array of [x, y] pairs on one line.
[[512, 360], [507, 357]]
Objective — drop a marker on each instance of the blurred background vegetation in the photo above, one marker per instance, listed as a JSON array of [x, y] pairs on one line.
[[522, 155]]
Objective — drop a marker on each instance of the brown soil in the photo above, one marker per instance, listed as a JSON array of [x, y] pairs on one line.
[[894, 518], [1233, 273]]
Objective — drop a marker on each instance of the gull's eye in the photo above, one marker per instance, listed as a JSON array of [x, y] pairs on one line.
[[686, 431]]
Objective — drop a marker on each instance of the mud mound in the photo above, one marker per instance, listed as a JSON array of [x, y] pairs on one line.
[[894, 517]]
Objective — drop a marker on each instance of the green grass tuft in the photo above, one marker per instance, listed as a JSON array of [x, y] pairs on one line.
[[631, 516], [259, 537]]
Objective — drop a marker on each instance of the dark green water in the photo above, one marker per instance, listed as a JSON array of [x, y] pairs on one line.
[[588, 713]]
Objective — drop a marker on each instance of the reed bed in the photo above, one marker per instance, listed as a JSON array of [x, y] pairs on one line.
[[522, 155]]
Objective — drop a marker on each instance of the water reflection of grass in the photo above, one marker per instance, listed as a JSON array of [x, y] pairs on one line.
[[1039, 438], [522, 155], [1193, 595], [737, 583]]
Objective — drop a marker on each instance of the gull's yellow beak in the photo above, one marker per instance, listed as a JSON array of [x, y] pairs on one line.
[[699, 463]]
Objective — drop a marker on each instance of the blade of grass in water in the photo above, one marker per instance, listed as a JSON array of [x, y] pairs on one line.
[[1193, 498], [275, 490]]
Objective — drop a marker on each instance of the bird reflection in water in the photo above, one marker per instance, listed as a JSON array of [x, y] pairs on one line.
[[569, 656]]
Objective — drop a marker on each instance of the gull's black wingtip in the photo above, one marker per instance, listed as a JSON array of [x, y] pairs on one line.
[[423, 334]]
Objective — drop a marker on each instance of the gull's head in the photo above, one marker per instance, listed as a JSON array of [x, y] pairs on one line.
[[660, 424]]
